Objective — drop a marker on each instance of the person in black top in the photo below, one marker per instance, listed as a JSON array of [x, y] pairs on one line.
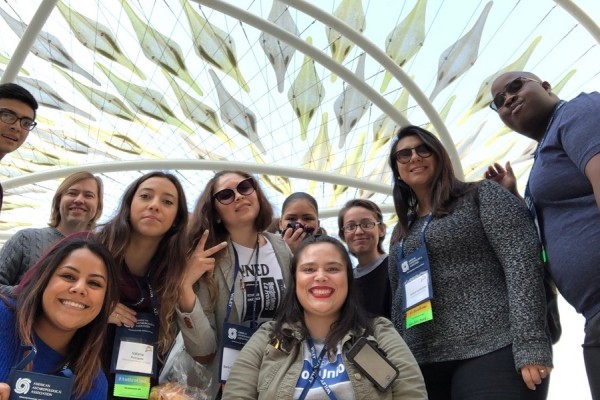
[[361, 227]]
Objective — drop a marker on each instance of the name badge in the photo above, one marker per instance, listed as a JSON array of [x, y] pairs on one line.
[[132, 386], [26, 385], [415, 276], [134, 348], [234, 338]]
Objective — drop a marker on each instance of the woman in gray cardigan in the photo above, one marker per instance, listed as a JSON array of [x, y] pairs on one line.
[[322, 317], [237, 273]]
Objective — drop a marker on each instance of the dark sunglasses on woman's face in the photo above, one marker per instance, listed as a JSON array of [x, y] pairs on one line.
[[511, 88], [226, 196], [403, 156]]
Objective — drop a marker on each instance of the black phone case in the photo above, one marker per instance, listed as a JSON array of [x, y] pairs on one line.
[[360, 343]]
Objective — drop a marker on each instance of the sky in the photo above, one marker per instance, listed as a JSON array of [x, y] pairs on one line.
[[564, 54]]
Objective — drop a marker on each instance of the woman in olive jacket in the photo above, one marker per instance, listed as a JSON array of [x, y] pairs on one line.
[[320, 315]]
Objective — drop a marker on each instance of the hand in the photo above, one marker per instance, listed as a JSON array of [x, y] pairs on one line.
[[122, 315], [504, 176], [201, 261], [293, 237], [533, 374], [4, 391]]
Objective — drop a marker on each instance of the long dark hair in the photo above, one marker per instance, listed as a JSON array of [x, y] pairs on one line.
[[168, 263], [83, 353], [353, 318], [446, 188], [206, 216]]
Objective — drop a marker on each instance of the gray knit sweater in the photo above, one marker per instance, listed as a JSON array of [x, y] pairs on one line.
[[21, 251], [487, 283]]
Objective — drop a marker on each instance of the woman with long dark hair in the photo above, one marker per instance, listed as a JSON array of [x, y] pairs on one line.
[[147, 238], [321, 314], [224, 298], [61, 309], [467, 279]]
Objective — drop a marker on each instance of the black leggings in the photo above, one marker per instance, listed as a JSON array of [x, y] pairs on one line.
[[591, 354], [488, 377]]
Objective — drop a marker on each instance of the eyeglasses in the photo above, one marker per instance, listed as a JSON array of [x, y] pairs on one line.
[[511, 88], [403, 156], [245, 188], [9, 117], [351, 227]]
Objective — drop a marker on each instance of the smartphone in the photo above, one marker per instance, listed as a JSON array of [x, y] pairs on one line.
[[373, 364], [293, 225]]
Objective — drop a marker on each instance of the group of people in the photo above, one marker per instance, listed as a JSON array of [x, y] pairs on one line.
[[457, 310]]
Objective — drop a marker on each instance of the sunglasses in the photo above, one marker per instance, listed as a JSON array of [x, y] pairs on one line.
[[511, 88], [403, 156], [227, 196]]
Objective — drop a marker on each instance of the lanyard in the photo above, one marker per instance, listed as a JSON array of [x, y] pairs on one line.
[[153, 301], [427, 221], [253, 323], [64, 371], [529, 200], [316, 365]]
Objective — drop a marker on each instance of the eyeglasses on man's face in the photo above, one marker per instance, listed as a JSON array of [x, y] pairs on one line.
[[351, 227], [403, 156], [227, 196], [9, 117], [512, 87]]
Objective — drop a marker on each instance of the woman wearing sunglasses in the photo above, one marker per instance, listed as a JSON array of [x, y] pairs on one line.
[[225, 298], [147, 238], [467, 279]]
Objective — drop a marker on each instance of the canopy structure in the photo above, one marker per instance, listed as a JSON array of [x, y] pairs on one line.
[[305, 94]]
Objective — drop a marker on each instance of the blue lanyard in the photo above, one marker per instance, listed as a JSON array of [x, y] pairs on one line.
[[65, 370], [423, 243], [253, 323], [529, 200], [316, 365]]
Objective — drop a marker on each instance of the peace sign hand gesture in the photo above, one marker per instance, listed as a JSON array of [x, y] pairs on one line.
[[199, 263]]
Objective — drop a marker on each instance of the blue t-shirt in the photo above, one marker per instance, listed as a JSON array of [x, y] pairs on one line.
[[47, 361], [565, 201], [334, 373]]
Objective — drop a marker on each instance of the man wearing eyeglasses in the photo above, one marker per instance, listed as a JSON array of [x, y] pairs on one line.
[[17, 118], [563, 191]]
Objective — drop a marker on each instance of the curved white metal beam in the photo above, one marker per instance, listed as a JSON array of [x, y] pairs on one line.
[[381, 57], [361, 41], [33, 29], [582, 17], [311, 51], [203, 165]]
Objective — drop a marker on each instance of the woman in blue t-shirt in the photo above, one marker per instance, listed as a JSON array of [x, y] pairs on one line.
[[306, 352], [61, 309]]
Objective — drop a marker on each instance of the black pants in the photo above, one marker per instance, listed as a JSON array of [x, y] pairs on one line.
[[489, 377], [591, 354]]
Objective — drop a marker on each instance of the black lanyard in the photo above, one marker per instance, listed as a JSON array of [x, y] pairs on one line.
[[153, 301], [253, 322], [316, 366]]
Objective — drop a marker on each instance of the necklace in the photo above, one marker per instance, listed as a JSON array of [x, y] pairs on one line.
[[254, 251]]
